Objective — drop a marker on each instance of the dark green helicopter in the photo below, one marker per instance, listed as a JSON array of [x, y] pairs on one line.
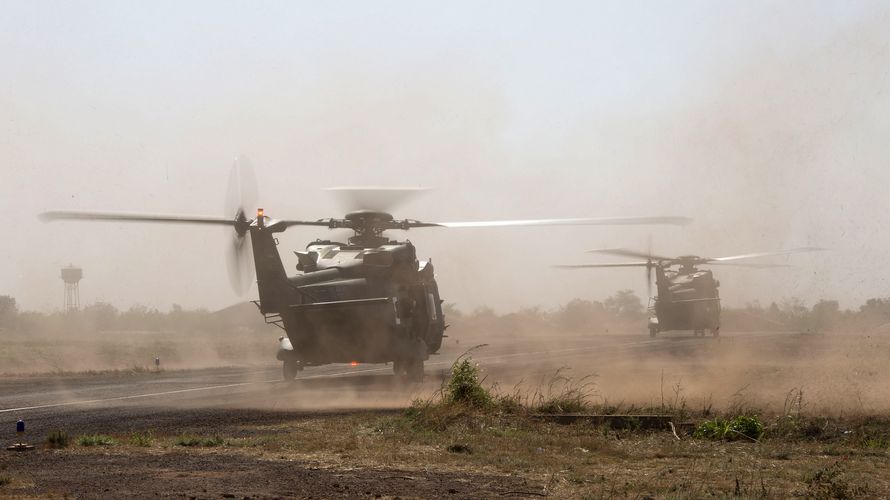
[[366, 300], [687, 297]]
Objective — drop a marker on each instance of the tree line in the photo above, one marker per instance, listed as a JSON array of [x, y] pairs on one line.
[[623, 311]]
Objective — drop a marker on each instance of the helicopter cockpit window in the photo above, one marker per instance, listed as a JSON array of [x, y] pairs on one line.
[[331, 253]]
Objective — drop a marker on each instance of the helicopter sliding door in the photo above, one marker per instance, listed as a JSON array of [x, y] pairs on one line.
[[359, 330]]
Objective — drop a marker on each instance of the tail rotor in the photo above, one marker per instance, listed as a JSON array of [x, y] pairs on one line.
[[241, 192]]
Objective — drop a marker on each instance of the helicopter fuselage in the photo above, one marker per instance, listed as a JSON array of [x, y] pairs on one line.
[[351, 304], [688, 299]]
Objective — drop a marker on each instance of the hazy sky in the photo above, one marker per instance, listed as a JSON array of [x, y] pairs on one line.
[[768, 122]]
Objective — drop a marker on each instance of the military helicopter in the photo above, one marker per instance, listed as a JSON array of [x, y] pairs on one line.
[[368, 300], [688, 297]]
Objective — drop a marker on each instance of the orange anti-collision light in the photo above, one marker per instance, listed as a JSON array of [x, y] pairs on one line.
[[354, 363], [259, 213]]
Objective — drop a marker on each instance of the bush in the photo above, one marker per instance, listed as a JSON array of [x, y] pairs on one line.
[[57, 439], [459, 448], [96, 440], [464, 386], [143, 439], [741, 427], [190, 440]]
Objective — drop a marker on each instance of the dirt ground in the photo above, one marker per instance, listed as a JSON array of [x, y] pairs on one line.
[[237, 432], [384, 455]]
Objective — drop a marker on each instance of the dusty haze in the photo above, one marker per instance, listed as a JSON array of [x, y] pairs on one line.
[[766, 123]]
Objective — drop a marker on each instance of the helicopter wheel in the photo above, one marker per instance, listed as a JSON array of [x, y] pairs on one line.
[[411, 366], [414, 370], [398, 368], [653, 331], [290, 370]]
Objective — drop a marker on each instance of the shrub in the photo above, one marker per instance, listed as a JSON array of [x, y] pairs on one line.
[[465, 387], [96, 440], [191, 440], [741, 427], [460, 448], [143, 439], [57, 439], [747, 427]]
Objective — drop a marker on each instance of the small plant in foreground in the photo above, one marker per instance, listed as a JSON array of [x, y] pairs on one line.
[[465, 387], [143, 439], [565, 395], [5, 479], [57, 439], [460, 448], [830, 482], [741, 427], [96, 440], [192, 441]]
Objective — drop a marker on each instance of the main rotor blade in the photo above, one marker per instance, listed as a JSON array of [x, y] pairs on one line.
[[596, 221], [54, 215], [745, 264], [583, 266], [765, 254], [623, 252]]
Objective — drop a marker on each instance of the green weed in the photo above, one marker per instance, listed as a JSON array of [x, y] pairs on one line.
[[143, 439], [741, 427], [195, 441]]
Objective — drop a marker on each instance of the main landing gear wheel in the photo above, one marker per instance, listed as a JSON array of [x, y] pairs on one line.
[[290, 370], [653, 331], [411, 366], [410, 369]]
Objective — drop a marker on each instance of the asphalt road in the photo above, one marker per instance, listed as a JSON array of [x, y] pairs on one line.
[[193, 400]]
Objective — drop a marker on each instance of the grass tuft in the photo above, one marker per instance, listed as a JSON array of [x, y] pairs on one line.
[[191, 440], [57, 439], [740, 427], [460, 448], [564, 395], [143, 439], [96, 440]]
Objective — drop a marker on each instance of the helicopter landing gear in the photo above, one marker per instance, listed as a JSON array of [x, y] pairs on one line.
[[410, 369], [411, 366], [290, 369], [653, 331], [715, 332]]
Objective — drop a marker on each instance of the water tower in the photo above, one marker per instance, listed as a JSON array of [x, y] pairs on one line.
[[71, 276]]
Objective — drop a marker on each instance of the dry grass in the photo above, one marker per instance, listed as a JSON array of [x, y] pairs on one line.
[[577, 460]]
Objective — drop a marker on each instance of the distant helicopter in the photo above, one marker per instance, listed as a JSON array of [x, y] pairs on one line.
[[688, 297], [369, 300]]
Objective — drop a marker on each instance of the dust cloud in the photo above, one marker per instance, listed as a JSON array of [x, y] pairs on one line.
[[768, 127]]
